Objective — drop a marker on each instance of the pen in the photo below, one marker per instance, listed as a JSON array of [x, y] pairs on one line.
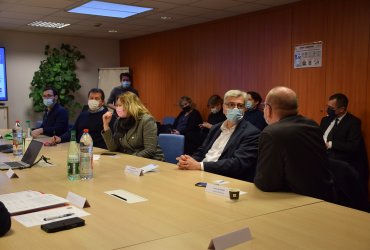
[[58, 217], [119, 197]]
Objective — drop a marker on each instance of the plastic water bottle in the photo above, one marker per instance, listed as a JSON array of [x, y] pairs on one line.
[[73, 161], [86, 156], [17, 139], [28, 138]]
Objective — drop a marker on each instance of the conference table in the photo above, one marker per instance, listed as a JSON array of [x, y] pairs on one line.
[[177, 214]]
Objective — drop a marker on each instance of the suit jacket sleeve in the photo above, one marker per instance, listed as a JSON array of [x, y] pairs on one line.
[[149, 136], [109, 141], [239, 155], [270, 169], [353, 137]]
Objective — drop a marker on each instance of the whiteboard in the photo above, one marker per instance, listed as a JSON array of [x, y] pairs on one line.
[[109, 78]]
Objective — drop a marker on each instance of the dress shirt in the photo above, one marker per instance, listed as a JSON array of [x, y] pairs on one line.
[[218, 146], [329, 143]]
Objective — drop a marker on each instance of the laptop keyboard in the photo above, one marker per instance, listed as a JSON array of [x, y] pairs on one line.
[[13, 164]]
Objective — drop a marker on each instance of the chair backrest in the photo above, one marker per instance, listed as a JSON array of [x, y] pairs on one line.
[[168, 120], [172, 146], [347, 185]]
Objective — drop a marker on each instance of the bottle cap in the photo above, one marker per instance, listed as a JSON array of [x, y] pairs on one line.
[[86, 130]]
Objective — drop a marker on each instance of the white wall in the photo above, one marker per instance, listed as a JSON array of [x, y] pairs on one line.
[[25, 51]]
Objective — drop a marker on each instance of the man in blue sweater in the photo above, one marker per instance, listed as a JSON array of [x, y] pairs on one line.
[[55, 120], [90, 119]]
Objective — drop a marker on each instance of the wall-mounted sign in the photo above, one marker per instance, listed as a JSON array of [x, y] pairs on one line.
[[308, 55]]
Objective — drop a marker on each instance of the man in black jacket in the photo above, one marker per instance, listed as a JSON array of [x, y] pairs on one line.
[[292, 155], [230, 148], [343, 137]]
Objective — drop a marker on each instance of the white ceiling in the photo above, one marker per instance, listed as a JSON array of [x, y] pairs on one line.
[[16, 14]]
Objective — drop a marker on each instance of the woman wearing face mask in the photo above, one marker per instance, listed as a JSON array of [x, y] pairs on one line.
[[187, 124], [91, 118], [135, 130], [253, 114], [216, 116]]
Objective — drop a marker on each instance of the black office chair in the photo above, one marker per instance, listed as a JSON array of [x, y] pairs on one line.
[[347, 185]]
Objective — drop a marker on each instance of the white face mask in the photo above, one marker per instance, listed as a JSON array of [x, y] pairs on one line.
[[93, 105], [214, 110], [48, 102]]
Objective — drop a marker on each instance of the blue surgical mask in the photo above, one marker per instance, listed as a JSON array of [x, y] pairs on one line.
[[48, 102], [331, 113], [234, 115], [249, 105], [125, 84]]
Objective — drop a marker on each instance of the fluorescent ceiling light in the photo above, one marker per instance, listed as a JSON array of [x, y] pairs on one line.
[[100, 8], [48, 24]]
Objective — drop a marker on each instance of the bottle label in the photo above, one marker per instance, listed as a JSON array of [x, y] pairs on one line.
[[73, 168]]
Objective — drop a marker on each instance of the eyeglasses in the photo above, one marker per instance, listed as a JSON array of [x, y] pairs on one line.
[[47, 96], [232, 105], [264, 105]]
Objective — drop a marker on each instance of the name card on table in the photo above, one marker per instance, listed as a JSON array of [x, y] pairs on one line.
[[133, 171], [149, 168], [217, 189], [230, 239], [11, 174], [77, 200]]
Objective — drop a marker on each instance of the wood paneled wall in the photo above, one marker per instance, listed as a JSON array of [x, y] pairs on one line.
[[255, 52]]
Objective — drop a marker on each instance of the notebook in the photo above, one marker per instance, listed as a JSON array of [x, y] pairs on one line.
[[28, 158]]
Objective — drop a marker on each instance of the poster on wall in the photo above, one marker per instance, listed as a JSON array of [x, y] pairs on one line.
[[308, 55]]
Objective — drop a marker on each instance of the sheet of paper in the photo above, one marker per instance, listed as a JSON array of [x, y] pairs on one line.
[[38, 218], [126, 196], [24, 201]]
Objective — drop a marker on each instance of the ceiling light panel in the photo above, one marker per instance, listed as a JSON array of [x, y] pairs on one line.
[[99, 8]]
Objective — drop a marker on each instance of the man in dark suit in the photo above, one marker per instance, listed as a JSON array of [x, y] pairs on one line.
[[342, 134], [230, 148], [292, 155]]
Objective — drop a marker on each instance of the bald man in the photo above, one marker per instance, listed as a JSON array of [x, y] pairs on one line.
[[292, 154]]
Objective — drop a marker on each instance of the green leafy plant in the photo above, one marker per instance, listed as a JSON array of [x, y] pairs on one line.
[[57, 70]]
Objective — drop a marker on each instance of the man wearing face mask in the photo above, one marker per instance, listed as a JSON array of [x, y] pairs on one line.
[[125, 85], [343, 137], [90, 119], [55, 120], [291, 152], [230, 148]]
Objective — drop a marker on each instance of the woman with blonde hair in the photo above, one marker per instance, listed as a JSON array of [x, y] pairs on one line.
[[135, 130]]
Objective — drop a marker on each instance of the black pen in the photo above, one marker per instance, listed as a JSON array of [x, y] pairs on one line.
[[58, 217], [119, 197]]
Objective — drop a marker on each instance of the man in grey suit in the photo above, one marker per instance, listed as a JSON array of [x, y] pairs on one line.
[[292, 154], [230, 148]]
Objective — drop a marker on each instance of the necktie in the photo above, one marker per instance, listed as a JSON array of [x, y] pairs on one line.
[[331, 133]]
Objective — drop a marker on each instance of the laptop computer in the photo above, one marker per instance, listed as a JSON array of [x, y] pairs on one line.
[[28, 158]]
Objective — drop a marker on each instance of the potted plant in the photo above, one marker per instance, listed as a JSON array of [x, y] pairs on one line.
[[57, 70]]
